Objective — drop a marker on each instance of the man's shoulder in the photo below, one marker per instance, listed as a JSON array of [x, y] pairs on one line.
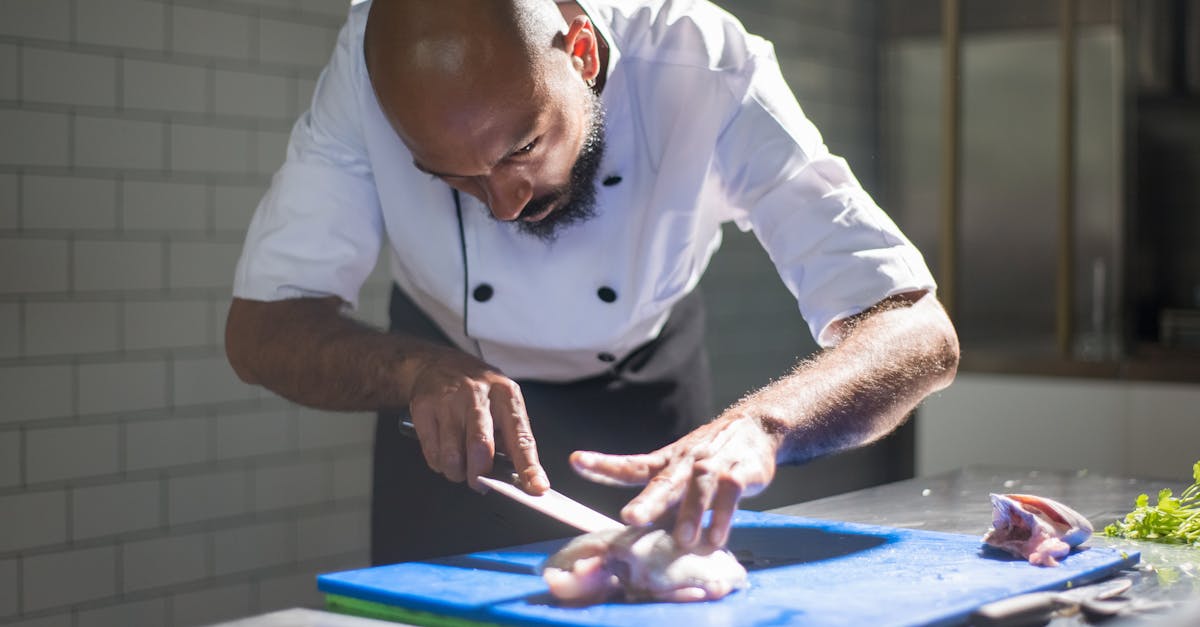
[[694, 33]]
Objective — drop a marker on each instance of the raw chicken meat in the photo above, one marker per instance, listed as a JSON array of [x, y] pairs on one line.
[[1035, 528], [643, 562]]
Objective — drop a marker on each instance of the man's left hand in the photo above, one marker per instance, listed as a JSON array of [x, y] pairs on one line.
[[711, 468]]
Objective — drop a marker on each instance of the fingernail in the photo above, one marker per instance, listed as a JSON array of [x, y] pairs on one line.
[[586, 459]]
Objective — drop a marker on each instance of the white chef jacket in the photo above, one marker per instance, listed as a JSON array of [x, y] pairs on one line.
[[701, 130]]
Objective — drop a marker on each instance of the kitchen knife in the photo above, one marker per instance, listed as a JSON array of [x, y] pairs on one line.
[[1037, 607], [503, 479]]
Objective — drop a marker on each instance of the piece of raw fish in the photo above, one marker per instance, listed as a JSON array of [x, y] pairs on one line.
[[1038, 529], [643, 562]]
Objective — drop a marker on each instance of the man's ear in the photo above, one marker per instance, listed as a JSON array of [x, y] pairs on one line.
[[581, 43]]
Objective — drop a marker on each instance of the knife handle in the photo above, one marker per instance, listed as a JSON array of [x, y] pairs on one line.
[[1022, 609]]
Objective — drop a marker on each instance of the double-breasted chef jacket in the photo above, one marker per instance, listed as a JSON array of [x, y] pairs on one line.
[[701, 130]]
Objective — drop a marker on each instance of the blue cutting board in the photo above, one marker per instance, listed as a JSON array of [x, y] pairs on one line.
[[803, 571]]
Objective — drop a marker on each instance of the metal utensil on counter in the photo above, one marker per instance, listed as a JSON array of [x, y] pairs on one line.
[[503, 477], [1037, 607]]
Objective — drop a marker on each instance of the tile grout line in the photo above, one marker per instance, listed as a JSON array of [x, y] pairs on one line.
[[210, 427], [168, 41], [210, 91], [210, 553], [165, 258], [20, 585], [169, 362], [252, 151], [122, 450], [23, 458], [69, 512], [120, 325], [255, 48], [119, 200], [170, 57], [71, 140], [72, 21], [210, 205], [21, 329], [20, 55], [164, 499], [120, 82], [141, 174], [19, 174], [118, 572], [163, 114], [293, 95], [74, 388]]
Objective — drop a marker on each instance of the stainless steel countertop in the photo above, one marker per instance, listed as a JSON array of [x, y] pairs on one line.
[[301, 617], [958, 502]]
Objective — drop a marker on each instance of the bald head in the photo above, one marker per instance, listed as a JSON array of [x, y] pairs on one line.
[[415, 39], [493, 96], [446, 49]]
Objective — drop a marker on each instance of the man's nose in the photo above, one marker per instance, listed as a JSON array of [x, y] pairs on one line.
[[506, 196]]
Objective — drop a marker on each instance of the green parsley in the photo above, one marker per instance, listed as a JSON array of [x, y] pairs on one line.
[[1172, 521]]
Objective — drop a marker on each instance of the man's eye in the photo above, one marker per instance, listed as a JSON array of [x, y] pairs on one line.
[[527, 148]]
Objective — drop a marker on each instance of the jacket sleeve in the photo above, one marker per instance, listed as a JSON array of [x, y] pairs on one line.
[[318, 229], [835, 249]]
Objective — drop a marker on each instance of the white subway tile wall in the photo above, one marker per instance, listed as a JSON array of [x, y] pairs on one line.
[[34, 138], [8, 72], [207, 496], [121, 23], [67, 577], [68, 78], [8, 201], [60, 202], [10, 462], [164, 562], [212, 605], [8, 581], [150, 612], [141, 483], [164, 206], [107, 510]]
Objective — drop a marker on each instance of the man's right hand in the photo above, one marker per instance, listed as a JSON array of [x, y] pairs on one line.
[[457, 402], [304, 350]]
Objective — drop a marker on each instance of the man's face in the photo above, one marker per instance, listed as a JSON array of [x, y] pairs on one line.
[[529, 151], [576, 200]]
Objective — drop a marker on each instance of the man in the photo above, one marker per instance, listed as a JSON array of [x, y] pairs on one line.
[[537, 312]]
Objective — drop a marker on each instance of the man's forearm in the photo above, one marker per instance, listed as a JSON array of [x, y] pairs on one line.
[[307, 352], [889, 360]]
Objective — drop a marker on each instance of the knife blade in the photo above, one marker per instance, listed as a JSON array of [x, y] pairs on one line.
[[1035, 607], [503, 478]]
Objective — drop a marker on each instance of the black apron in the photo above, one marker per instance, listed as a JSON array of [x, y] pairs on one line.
[[649, 399]]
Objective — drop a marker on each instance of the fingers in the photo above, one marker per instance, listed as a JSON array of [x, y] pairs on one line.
[[724, 504], [617, 470], [425, 423], [451, 461], [662, 492], [508, 413], [699, 496], [479, 445]]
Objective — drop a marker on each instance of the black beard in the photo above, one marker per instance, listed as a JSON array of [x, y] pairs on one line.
[[580, 190]]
